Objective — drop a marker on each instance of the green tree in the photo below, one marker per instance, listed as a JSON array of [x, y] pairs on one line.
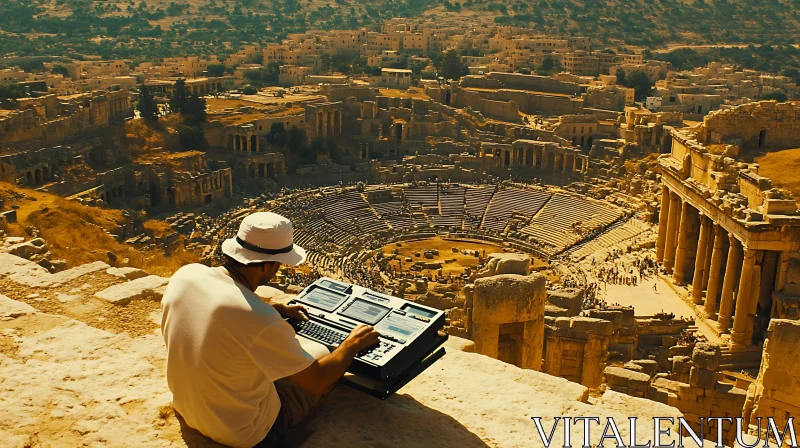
[[11, 91], [191, 137], [451, 66], [194, 112], [216, 70], [249, 90], [59, 69], [278, 136], [791, 72], [180, 97], [548, 66], [641, 84], [297, 139], [777, 95], [620, 77], [147, 107]]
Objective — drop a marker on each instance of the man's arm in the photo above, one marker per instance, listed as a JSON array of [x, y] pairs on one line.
[[322, 375]]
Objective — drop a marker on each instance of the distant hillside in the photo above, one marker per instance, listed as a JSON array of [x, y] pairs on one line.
[[157, 28]]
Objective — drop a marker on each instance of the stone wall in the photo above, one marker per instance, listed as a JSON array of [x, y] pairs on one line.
[[576, 348], [778, 122], [535, 83], [51, 120], [775, 391], [702, 396]]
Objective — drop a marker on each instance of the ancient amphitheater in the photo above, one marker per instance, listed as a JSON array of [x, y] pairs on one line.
[[589, 261]]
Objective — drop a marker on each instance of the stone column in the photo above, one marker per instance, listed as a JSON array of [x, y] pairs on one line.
[[700, 261], [663, 218], [532, 343], [680, 254], [783, 269], [714, 272], [574, 164], [486, 336], [709, 251], [742, 320], [726, 302], [672, 231]]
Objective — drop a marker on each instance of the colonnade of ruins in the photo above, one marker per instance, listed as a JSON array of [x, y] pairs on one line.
[[323, 120], [729, 276], [328, 123], [119, 107], [243, 139], [541, 157], [202, 88]]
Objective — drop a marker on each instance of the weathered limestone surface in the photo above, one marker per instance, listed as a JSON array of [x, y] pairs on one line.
[[627, 381], [128, 273], [706, 356], [775, 391], [505, 263], [150, 287], [14, 308], [510, 299], [30, 274]]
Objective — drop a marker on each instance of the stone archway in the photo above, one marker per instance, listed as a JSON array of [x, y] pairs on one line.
[[529, 157], [261, 170]]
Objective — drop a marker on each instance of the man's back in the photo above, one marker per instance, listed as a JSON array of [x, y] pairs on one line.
[[225, 348]]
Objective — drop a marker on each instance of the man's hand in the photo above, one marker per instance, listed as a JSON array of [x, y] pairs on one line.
[[321, 375], [363, 336], [296, 312]]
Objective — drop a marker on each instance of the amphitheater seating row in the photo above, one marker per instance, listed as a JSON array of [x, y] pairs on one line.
[[505, 202], [614, 236], [451, 201], [427, 196], [556, 223]]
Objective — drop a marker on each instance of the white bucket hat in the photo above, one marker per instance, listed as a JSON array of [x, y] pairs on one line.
[[264, 236]]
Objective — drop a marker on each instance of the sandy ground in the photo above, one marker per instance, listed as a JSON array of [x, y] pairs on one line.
[[452, 263], [783, 168]]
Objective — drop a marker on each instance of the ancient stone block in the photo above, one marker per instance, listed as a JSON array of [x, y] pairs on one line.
[[127, 273], [150, 287], [26, 250], [509, 298], [706, 356], [626, 378], [13, 308], [634, 367], [702, 378], [648, 366], [591, 326]]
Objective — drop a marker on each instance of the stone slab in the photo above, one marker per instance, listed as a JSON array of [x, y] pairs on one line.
[[14, 308], [128, 273], [150, 287]]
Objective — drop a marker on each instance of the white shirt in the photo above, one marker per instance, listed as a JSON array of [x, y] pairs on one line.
[[225, 348]]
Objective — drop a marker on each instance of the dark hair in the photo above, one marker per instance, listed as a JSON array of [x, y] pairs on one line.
[[230, 261]]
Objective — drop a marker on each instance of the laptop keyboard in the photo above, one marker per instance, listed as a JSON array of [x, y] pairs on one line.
[[320, 333]]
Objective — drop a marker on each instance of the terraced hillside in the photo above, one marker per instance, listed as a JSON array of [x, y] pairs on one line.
[[157, 28]]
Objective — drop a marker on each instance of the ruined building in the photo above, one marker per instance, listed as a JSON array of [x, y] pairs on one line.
[[723, 228]]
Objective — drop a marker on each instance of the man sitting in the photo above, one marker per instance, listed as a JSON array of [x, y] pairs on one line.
[[236, 369]]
